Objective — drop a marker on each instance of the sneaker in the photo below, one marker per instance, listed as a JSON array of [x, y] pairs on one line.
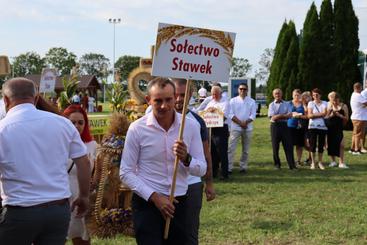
[[350, 151], [312, 166], [363, 151], [321, 166], [343, 165], [333, 164], [307, 161], [356, 153]]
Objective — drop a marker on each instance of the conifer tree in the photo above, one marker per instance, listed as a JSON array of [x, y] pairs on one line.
[[309, 58], [327, 49], [289, 65], [273, 81], [346, 46]]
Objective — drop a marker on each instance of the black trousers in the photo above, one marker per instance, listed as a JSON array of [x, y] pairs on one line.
[[280, 133], [149, 223], [34, 225], [194, 203], [219, 150], [317, 139]]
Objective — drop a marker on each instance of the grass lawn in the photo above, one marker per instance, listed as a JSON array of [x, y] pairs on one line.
[[266, 206]]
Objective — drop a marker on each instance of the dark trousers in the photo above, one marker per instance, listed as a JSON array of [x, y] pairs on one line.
[[219, 150], [194, 203], [317, 138], [280, 133], [37, 225], [149, 223]]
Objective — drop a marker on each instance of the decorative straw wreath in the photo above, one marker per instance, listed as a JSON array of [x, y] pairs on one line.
[[108, 217]]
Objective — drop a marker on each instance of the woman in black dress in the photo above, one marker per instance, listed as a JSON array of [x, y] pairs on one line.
[[337, 116]]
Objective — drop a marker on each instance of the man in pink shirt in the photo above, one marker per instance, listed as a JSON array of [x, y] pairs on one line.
[[147, 166]]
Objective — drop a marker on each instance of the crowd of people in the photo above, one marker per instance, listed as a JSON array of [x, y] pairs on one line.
[[309, 123], [49, 191]]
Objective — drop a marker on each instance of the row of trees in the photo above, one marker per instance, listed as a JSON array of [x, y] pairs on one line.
[[63, 60], [93, 64], [323, 55]]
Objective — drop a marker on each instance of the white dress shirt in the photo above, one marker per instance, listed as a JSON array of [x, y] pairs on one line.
[[359, 111], [147, 161], [222, 105], [34, 153], [243, 109]]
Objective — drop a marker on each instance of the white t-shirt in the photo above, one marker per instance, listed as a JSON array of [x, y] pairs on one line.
[[359, 111], [317, 123]]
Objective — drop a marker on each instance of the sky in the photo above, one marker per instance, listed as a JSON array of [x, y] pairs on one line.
[[82, 26]]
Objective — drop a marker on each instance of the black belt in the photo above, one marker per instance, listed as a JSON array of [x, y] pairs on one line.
[[42, 205]]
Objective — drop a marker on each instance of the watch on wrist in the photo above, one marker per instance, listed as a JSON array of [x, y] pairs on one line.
[[188, 160]]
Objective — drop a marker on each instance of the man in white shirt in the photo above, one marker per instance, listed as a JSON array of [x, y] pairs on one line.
[[242, 114], [219, 147], [195, 189], [147, 166], [359, 117], [34, 153]]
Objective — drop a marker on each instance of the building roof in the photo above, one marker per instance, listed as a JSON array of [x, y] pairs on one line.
[[86, 82]]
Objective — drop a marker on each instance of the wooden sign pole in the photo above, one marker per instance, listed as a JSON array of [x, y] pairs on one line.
[[180, 136]]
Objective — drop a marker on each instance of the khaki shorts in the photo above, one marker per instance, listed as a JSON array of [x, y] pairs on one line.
[[358, 128]]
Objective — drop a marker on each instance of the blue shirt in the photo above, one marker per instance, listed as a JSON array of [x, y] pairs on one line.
[[279, 109], [293, 122]]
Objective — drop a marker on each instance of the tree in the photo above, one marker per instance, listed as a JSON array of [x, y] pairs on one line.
[[94, 64], [346, 46], [265, 63], [61, 59], [125, 64], [289, 68], [276, 64], [28, 63], [240, 67], [327, 49], [309, 58]]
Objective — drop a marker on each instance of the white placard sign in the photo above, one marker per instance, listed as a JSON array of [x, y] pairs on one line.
[[193, 53], [212, 119], [48, 80]]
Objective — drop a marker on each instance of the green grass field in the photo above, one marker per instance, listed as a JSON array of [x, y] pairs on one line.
[[266, 206]]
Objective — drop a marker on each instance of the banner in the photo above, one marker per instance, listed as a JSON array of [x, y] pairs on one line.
[[193, 53], [213, 119], [48, 80], [98, 124]]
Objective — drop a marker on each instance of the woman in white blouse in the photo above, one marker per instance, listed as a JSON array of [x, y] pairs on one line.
[[78, 232], [316, 111]]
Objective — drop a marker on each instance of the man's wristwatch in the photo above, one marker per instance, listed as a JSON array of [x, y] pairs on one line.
[[187, 160]]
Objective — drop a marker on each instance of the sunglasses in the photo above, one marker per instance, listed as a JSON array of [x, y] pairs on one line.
[[80, 122], [243, 89]]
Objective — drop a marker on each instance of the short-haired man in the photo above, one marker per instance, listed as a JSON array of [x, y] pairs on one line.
[[147, 166], [359, 117], [279, 112], [195, 190], [242, 113], [219, 147], [34, 153]]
